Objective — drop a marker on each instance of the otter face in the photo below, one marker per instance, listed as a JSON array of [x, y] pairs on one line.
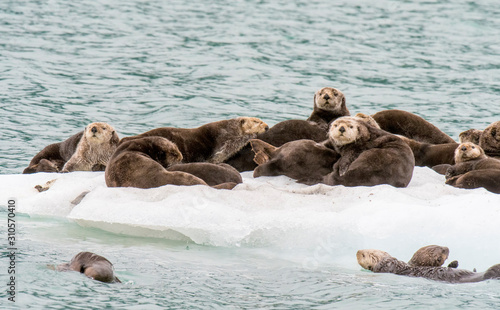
[[467, 151], [98, 133], [329, 99], [369, 258], [367, 119], [252, 125], [490, 138], [346, 130]]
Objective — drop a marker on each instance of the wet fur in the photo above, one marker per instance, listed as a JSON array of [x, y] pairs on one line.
[[92, 265]]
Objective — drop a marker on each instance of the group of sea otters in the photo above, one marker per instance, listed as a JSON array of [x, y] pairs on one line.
[[330, 147]]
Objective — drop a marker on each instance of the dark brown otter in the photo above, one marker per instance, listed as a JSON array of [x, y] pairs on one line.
[[430, 155], [213, 142], [304, 160], [278, 135], [490, 140], [52, 157], [141, 163], [212, 174], [369, 156], [411, 126], [92, 265], [488, 179]]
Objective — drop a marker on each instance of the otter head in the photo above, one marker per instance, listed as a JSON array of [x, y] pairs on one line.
[[468, 151], [471, 135], [164, 151], [367, 119], [252, 125], [431, 255], [329, 99], [347, 130], [369, 258], [99, 133], [490, 139], [93, 266]]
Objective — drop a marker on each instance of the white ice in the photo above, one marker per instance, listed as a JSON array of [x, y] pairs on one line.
[[321, 223]]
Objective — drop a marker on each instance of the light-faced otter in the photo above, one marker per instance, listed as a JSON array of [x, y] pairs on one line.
[[369, 156], [83, 151], [411, 126], [315, 128], [468, 157], [490, 140], [329, 104], [213, 142], [92, 265], [382, 262]]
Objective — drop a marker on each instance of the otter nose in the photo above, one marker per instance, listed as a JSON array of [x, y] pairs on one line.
[[464, 148], [266, 128], [94, 129], [326, 97], [342, 129]]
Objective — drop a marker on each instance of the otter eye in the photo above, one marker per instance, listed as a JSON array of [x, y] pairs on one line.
[[473, 147], [103, 128], [82, 269], [350, 127]]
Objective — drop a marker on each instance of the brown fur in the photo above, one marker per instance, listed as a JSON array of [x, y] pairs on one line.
[[53, 156], [490, 140], [304, 160], [278, 135], [381, 262], [431, 255], [471, 157], [329, 104], [213, 142], [92, 265], [430, 155], [212, 174], [412, 126], [471, 135], [489, 179], [369, 156], [141, 163]]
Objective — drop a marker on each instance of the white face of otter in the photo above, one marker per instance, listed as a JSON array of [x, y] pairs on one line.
[[329, 99], [467, 151], [252, 125], [369, 258], [97, 133], [346, 130]]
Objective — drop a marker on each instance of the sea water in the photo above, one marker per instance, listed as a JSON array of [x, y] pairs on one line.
[[270, 242]]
